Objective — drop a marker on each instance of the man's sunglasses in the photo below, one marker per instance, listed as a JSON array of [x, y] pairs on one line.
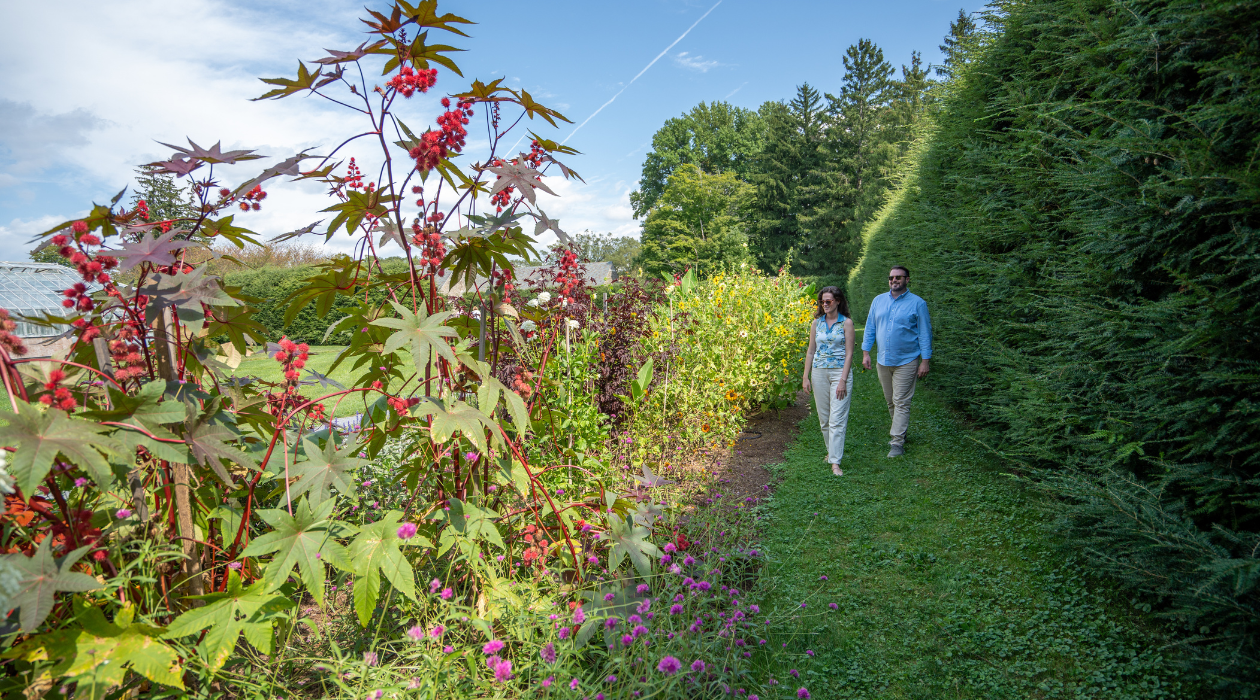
[[892, 278]]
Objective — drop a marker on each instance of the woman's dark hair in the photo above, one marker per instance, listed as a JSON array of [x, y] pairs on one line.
[[842, 304]]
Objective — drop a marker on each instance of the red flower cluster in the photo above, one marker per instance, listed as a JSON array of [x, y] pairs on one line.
[[293, 357], [92, 266], [568, 277], [435, 145], [503, 279], [521, 383], [253, 199], [354, 177], [431, 249], [533, 159], [408, 81], [142, 208], [8, 340], [401, 405], [58, 396], [125, 351], [538, 545]]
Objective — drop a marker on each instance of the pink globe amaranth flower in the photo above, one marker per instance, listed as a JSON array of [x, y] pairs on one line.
[[236, 566], [80, 483], [548, 653], [448, 649], [823, 577], [697, 666], [610, 679], [626, 640], [437, 631], [754, 609], [802, 694], [547, 681], [492, 647], [688, 560], [406, 531], [123, 514], [670, 549], [503, 671], [833, 606], [416, 633], [369, 658], [573, 684], [639, 631], [434, 585], [794, 673], [578, 616], [609, 597], [643, 589], [669, 665], [446, 594]]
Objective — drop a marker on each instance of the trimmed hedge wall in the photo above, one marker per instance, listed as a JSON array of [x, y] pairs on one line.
[[1081, 219]]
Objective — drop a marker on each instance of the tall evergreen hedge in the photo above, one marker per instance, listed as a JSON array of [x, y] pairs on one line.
[[1081, 217]]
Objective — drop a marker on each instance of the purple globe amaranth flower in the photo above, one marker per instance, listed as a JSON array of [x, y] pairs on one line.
[[643, 589], [548, 681], [573, 684], [697, 666], [406, 531], [669, 665], [823, 577], [563, 633], [492, 647], [809, 652], [833, 606], [626, 640], [609, 597], [548, 653], [610, 679], [611, 622], [448, 649], [578, 616], [689, 560], [675, 609], [794, 673], [802, 694]]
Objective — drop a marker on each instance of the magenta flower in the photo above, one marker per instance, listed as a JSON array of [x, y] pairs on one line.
[[369, 658], [689, 560], [626, 640], [448, 649], [809, 652], [563, 633], [822, 578], [446, 593], [434, 585], [123, 514], [610, 679], [547, 681], [611, 622], [80, 483], [697, 666], [794, 673], [675, 609], [236, 566], [437, 631], [578, 616], [802, 694], [406, 531], [416, 633], [643, 589], [548, 653], [833, 606], [573, 684], [639, 631], [470, 456], [609, 596], [492, 647], [669, 665], [503, 671]]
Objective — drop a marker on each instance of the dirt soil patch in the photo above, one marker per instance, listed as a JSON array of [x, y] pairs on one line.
[[741, 470]]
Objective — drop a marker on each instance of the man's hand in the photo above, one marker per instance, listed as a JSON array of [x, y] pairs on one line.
[[866, 360], [923, 369]]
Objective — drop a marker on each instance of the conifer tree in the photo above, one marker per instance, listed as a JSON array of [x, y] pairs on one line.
[[846, 187], [794, 136], [165, 198], [954, 47]]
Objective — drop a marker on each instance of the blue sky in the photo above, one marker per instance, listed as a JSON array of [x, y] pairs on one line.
[[89, 87]]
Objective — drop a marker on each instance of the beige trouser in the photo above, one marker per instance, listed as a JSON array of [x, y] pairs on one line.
[[898, 383]]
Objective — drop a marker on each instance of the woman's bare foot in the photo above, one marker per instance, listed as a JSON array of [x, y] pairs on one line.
[[835, 469]]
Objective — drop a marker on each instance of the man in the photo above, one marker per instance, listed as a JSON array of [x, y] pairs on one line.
[[898, 321]]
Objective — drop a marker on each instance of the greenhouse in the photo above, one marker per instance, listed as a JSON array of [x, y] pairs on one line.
[[34, 289]]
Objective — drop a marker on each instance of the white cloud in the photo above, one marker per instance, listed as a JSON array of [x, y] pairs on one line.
[[696, 63], [15, 237]]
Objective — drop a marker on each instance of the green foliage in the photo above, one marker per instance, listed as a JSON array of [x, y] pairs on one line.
[[621, 251], [716, 138], [166, 199], [948, 577], [695, 224], [1082, 223]]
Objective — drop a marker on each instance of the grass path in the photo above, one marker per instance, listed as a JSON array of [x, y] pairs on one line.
[[945, 575]]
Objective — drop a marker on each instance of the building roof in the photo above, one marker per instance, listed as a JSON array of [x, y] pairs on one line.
[[32, 289]]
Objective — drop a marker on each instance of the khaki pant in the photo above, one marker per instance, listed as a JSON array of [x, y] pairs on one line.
[[898, 383], [833, 413]]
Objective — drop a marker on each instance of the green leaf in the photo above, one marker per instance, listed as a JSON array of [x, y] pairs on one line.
[[188, 293], [226, 615], [472, 522], [469, 421], [325, 468], [305, 81], [630, 539], [208, 444], [40, 437], [422, 332], [42, 578], [375, 551], [302, 540]]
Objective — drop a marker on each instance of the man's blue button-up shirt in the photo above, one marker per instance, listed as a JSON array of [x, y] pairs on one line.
[[902, 328]]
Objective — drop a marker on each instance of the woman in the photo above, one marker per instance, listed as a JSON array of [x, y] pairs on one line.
[[828, 370]]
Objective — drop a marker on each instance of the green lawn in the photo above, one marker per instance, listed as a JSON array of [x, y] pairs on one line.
[[945, 573], [321, 358]]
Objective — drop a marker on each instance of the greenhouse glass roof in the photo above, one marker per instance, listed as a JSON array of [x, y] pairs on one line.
[[32, 289]]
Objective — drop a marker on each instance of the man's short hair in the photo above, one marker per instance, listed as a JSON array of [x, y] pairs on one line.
[[903, 268]]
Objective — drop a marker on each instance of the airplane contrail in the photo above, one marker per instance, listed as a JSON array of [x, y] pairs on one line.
[[645, 69]]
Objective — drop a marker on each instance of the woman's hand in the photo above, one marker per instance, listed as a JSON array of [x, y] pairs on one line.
[[805, 384], [842, 388]]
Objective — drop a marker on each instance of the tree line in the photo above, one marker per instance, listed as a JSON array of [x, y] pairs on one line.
[[791, 183]]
